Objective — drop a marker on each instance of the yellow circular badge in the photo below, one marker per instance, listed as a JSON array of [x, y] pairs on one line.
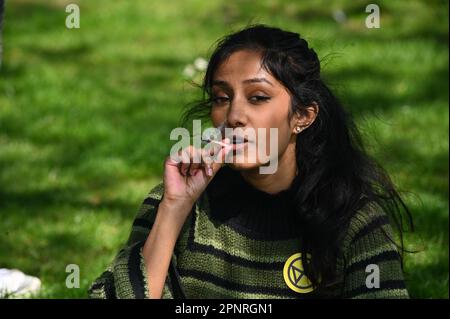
[[294, 276]]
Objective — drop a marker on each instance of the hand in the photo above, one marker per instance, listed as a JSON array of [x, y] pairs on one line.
[[184, 180]]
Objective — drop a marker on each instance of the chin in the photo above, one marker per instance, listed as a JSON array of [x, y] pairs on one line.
[[244, 166]]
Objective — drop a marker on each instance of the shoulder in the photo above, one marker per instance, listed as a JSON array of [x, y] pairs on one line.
[[370, 220], [370, 253], [151, 200], [370, 238], [146, 214], [156, 192]]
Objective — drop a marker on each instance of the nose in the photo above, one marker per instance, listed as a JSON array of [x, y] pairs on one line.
[[236, 116]]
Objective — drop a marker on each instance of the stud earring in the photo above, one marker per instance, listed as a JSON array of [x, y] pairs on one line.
[[298, 129]]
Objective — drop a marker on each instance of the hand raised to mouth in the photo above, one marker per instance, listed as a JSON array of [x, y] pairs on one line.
[[185, 178]]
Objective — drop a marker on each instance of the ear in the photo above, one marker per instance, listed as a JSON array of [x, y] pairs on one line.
[[304, 117]]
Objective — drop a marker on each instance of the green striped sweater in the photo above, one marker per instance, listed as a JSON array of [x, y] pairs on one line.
[[239, 242]]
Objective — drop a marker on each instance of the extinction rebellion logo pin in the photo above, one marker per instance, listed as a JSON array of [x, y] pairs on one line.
[[294, 275]]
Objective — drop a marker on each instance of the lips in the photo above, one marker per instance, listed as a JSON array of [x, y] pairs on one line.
[[239, 140], [238, 143]]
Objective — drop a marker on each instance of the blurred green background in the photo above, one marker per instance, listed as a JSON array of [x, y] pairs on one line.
[[85, 116]]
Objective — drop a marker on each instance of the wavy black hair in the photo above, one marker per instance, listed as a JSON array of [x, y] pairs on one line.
[[335, 170]]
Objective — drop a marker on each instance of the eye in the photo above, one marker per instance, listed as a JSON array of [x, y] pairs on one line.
[[259, 98], [219, 99]]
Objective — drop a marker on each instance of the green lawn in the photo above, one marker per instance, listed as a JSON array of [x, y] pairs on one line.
[[85, 116]]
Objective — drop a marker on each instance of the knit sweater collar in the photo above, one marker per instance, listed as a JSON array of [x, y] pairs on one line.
[[261, 215]]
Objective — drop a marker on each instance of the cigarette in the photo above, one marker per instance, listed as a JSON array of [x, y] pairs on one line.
[[220, 143], [217, 142], [220, 128]]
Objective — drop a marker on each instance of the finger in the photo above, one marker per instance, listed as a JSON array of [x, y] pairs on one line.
[[195, 161], [174, 161], [207, 161], [212, 149], [171, 161], [183, 169], [220, 159], [217, 156], [194, 168], [188, 168], [184, 160], [191, 160]]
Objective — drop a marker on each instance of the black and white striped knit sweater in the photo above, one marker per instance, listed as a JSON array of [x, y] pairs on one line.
[[240, 242]]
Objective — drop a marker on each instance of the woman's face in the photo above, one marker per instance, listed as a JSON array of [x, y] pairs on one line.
[[246, 96]]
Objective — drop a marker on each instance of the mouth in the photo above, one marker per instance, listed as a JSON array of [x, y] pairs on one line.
[[238, 144], [239, 140]]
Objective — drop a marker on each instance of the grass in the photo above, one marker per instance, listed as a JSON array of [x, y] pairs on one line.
[[85, 116]]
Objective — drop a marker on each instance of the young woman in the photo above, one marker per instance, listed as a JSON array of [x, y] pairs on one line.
[[317, 227]]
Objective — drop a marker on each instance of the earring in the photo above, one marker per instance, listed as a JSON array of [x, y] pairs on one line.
[[298, 129]]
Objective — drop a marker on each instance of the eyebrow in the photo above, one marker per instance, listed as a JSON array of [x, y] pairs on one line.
[[254, 80]]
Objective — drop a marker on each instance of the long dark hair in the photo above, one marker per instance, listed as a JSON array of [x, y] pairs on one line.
[[335, 170]]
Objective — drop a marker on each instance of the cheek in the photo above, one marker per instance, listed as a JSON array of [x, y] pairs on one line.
[[217, 116], [283, 124], [279, 121], [273, 115], [284, 136]]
